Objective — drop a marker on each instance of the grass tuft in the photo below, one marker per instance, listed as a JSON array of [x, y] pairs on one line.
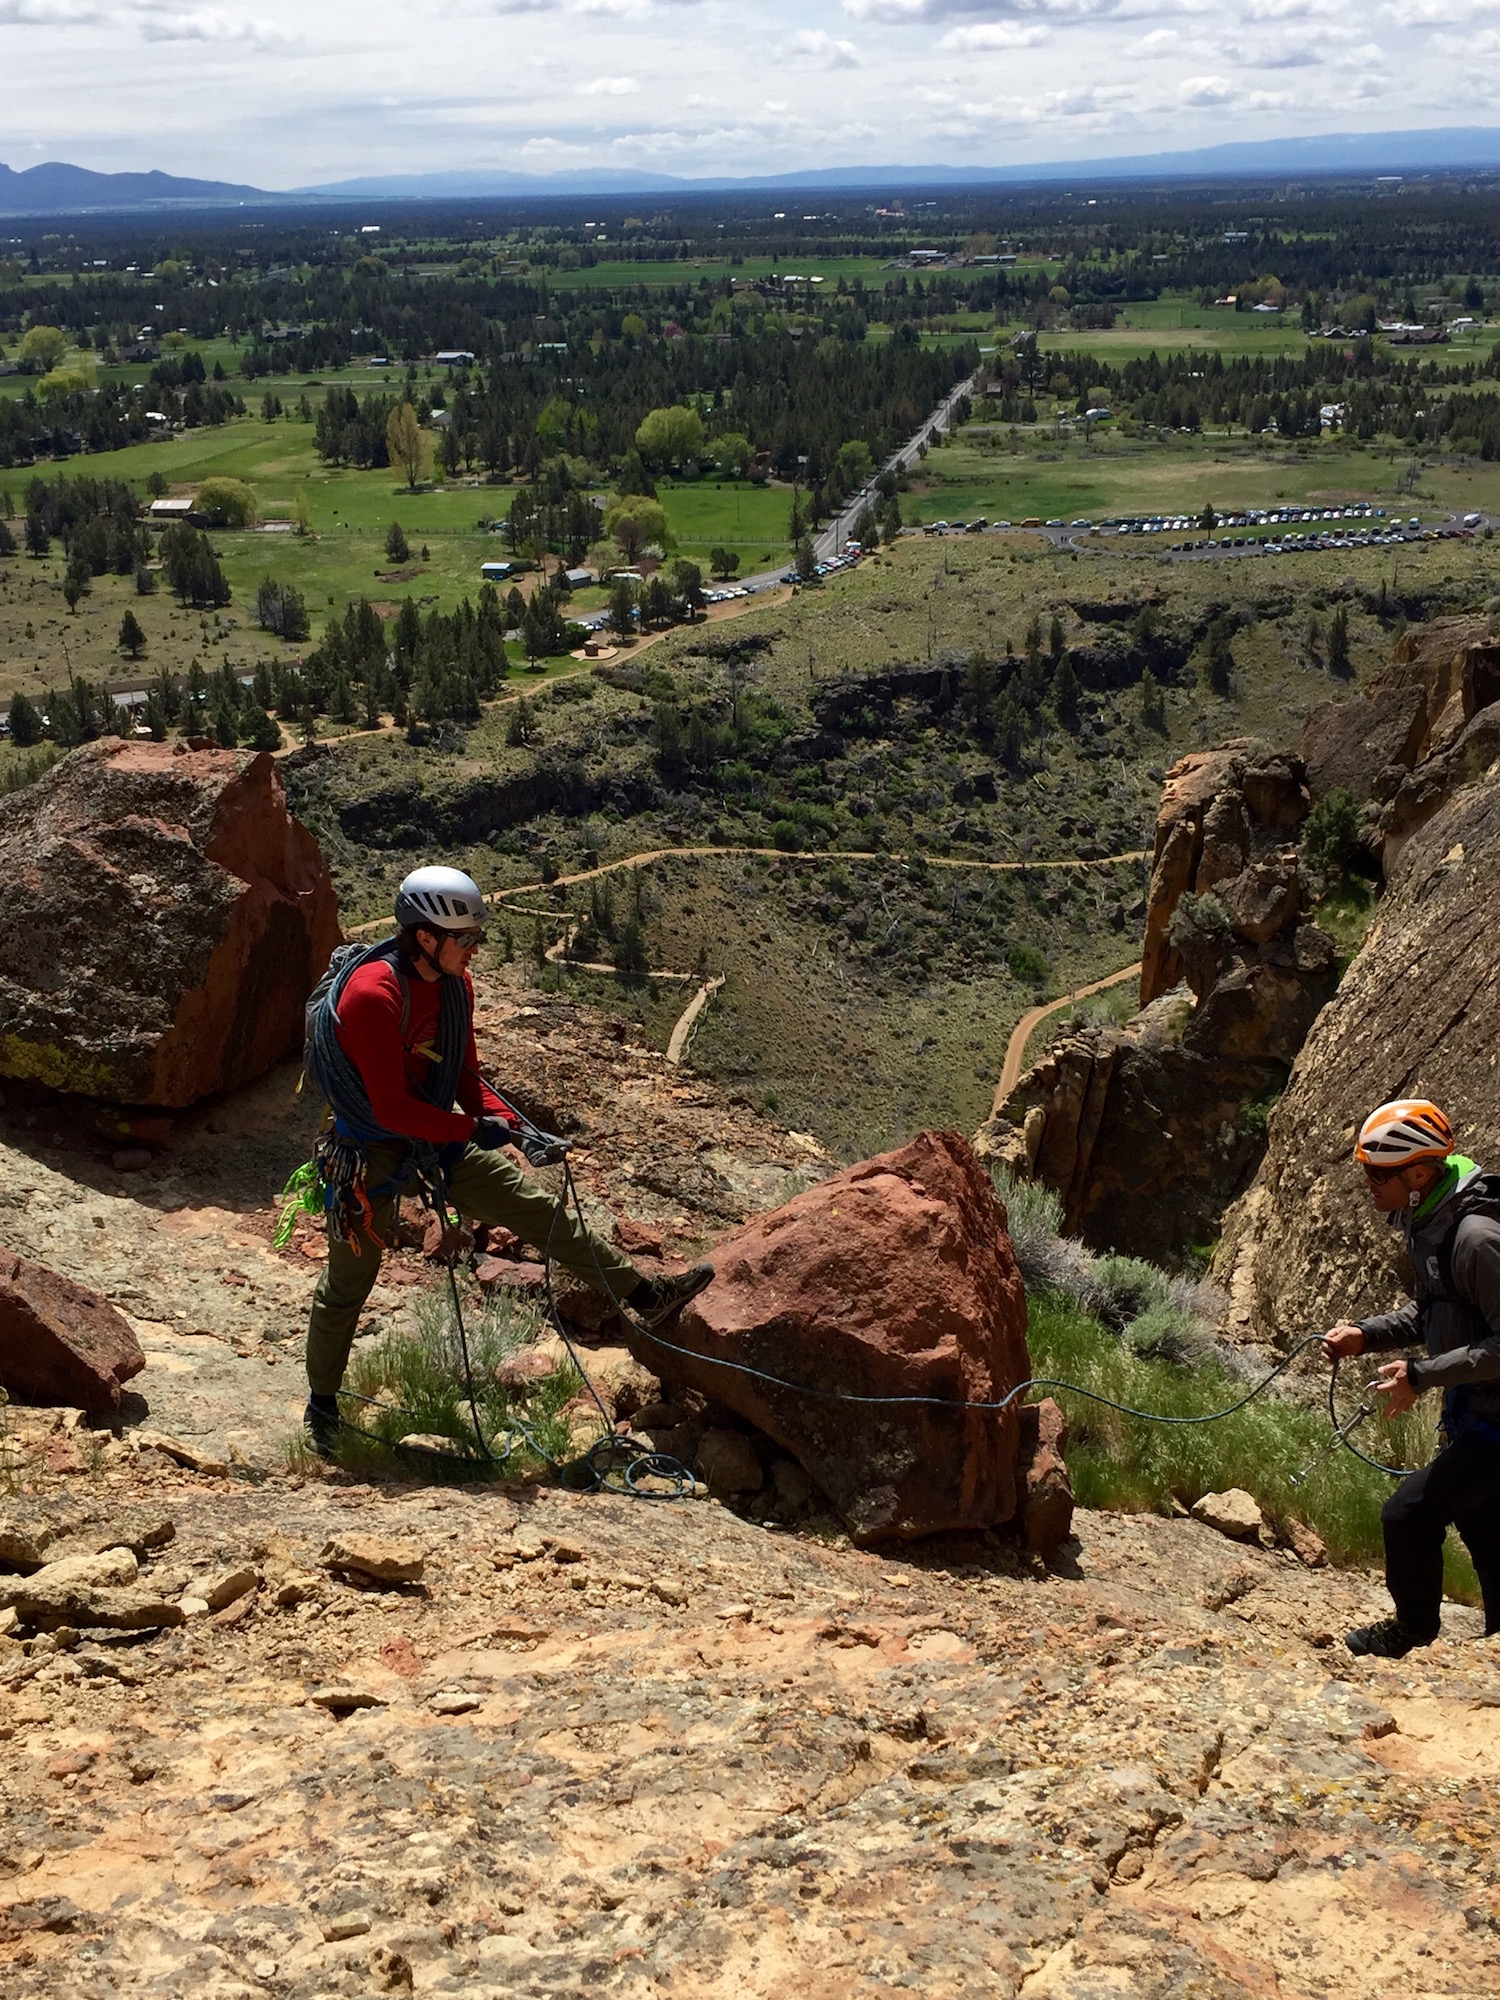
[[415, 1380]]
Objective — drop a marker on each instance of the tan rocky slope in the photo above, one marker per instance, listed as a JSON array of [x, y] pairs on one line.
[[1418, 1013], [623, 1748]]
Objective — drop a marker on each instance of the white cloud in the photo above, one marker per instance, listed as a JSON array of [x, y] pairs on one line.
[[1157, 42], [46, 13], [211, 24], [608, 86], [995, 35], [1197, 92], [813, 45]]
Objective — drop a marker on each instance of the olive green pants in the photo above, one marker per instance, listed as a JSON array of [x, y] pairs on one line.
[[484, 1188]]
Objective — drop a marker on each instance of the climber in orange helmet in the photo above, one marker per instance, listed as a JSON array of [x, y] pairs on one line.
[[1449, 1212]]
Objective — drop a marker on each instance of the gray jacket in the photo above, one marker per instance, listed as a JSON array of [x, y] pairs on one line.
[[1460, 1327]]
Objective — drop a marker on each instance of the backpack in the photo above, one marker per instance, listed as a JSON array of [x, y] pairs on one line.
[[344, 959], [1480, 1197]]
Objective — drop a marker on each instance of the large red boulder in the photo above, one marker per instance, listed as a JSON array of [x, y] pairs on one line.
[[162, 921], [60, 1343], [893, 1278]]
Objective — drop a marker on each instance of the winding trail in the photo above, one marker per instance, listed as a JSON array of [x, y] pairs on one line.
[[1020, 1035]]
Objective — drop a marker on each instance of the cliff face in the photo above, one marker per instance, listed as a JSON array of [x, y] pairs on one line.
[[1424, 726], [1148, 1131], [1417, 1014]]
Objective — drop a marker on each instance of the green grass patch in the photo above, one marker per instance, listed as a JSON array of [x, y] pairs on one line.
[[413, 1378], [1121, 1462]]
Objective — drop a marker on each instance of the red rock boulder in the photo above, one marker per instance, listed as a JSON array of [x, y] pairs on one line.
[[60, 1343], [162, 921], [893, 1278]]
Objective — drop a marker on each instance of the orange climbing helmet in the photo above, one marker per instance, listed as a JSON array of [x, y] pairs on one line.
[[1402, 1132]]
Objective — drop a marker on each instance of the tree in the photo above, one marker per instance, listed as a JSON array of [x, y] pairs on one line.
[[622, 609], [1153, 702], [672, 436], [1340, 665], [38, 541], [404, 442], [282, 609], [1055, 639], [41, 349], [225, 503], [1208, 520], [688, 579], [145, 581], [731, 453], [156, 717], [25, 722], [72, 590], [265, 732], [723, 562], [867, 527], [636, 522], [806, 558], [667, 731], [7, 539], [397, 547], [1218, 658], [630, 949], [1066, 693], [132, 637], [1331, 834]]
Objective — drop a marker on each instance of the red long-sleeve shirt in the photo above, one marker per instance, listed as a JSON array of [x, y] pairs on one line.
[[394, 1066]]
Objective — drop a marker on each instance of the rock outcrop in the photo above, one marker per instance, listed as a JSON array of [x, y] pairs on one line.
[[1416, 1014], [1425, 725], [162, 920], [893, 1278], [60, 1343], [1228, 822], [1148, 1131]]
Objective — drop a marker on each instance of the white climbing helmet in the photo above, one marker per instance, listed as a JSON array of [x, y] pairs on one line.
[[440, 899], [1402, 1132]]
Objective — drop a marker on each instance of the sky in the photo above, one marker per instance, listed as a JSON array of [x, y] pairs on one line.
[[282, 94]]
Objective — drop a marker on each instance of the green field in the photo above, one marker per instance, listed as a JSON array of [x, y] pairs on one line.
[[622, 274], [1064, 477], [342, 558]]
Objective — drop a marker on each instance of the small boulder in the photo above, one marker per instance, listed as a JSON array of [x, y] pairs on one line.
[[1235, 1513], [1309, 1548], [83, 1572], [23, 1543], [1047, 1509], [229, 1585], [60, 1342], [728, 1463], [894, 1278], [506, 1275], [381, 1558], [197, 1458]]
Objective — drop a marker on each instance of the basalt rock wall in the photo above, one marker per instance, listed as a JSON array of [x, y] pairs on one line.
[[1417, 1014]]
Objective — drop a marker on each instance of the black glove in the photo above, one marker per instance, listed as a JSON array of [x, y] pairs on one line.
[[542, 1149], [491, 1133]]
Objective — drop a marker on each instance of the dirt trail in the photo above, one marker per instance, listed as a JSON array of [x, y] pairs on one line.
[[1026, 1027]]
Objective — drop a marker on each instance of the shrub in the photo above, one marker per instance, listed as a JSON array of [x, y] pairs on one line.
[[1028, 963], [1331, 835]]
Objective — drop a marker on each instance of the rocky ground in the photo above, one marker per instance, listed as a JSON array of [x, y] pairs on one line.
[[551, 1744], [613, 1746]]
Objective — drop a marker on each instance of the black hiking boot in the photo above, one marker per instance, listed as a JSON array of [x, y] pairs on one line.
[[321, 1422], [655, 1300], [1386, 1639]]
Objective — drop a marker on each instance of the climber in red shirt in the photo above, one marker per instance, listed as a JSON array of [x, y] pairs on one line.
[[393, 1050]]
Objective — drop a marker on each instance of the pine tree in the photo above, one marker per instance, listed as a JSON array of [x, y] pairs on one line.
[[1340, 664], [132, 638]]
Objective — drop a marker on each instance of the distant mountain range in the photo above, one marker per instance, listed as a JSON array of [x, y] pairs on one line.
[[58, 189]]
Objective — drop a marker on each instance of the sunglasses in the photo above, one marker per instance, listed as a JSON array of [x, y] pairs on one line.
[[465, 940], [1378, 1176]]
